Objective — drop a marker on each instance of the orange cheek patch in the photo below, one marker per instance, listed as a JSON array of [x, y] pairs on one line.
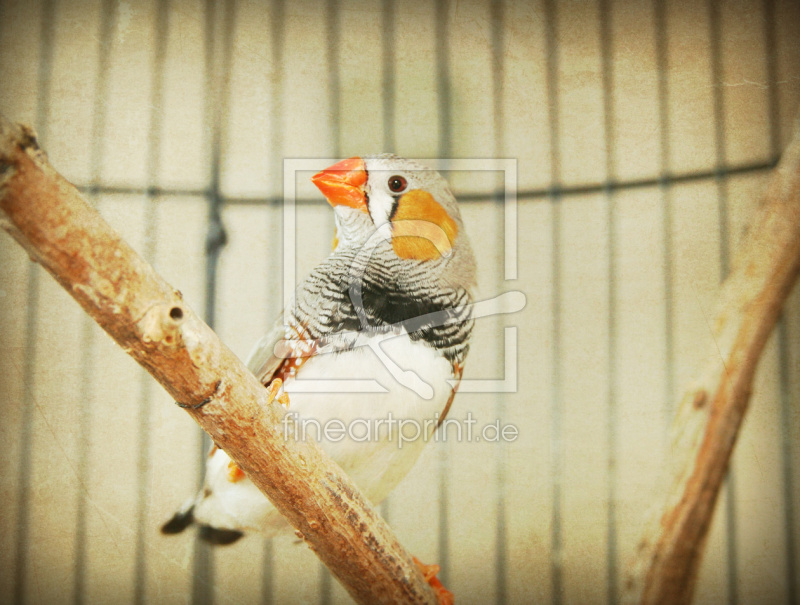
[[421, 228]]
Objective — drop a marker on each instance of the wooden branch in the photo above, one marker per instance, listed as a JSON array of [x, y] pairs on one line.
[[712, 410], [151, 322]]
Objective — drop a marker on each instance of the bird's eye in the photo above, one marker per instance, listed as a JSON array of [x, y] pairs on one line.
[[397, 183]]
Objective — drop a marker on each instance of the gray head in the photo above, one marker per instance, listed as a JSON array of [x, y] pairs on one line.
[[409, 207]]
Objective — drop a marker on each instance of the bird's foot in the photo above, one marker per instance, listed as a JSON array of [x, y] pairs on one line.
[[273, 391], [443, 596], [235, 474]]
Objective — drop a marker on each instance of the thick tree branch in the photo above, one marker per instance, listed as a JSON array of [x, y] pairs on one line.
[[711, 412], [151, 322]]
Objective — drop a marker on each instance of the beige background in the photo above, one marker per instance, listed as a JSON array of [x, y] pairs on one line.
[[154, 108]]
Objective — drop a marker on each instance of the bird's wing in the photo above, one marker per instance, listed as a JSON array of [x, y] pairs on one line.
[[281, 351], [262, 360]]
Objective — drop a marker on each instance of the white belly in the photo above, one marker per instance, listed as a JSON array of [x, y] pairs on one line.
[[376, 437]]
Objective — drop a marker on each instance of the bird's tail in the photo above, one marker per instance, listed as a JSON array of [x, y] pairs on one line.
[[184, 517]]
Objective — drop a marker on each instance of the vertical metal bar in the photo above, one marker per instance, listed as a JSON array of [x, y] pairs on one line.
[[326, 579], [556, 438], [715, 26], [498, 72], [445, 123], [389, 139], [277, 10], [790, 520], [388, 93], [773, 102], [87, 325], [202, 563], [46, 50], [216, 110], [443, 79], [277, 36], [715, 19], [790, 523], [150, 239], [218, 80], [333, 69], [277, 27], [662, 60], [267, 575], [611, 370]]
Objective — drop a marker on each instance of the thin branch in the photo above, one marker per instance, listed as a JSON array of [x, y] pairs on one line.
[[711, 411], [151, 322]]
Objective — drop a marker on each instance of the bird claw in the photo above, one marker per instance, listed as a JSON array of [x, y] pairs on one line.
[[235, 474], [272, 392], [443, 596]]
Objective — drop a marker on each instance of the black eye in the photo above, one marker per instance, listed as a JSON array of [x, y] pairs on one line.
[[397, 183]]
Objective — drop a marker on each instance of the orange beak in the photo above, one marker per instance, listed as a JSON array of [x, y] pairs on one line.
[[343, 183]]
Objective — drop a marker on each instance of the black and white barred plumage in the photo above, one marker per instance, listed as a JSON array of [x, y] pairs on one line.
[[392, 301], [438, 316]]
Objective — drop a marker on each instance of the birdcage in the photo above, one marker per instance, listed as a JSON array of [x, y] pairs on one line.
[[636, 138]]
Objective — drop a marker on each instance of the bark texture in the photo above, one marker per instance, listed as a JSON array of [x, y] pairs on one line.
[[152, 323], [711, 411]]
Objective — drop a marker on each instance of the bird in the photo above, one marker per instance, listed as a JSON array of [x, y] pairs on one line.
[[389, 308]]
